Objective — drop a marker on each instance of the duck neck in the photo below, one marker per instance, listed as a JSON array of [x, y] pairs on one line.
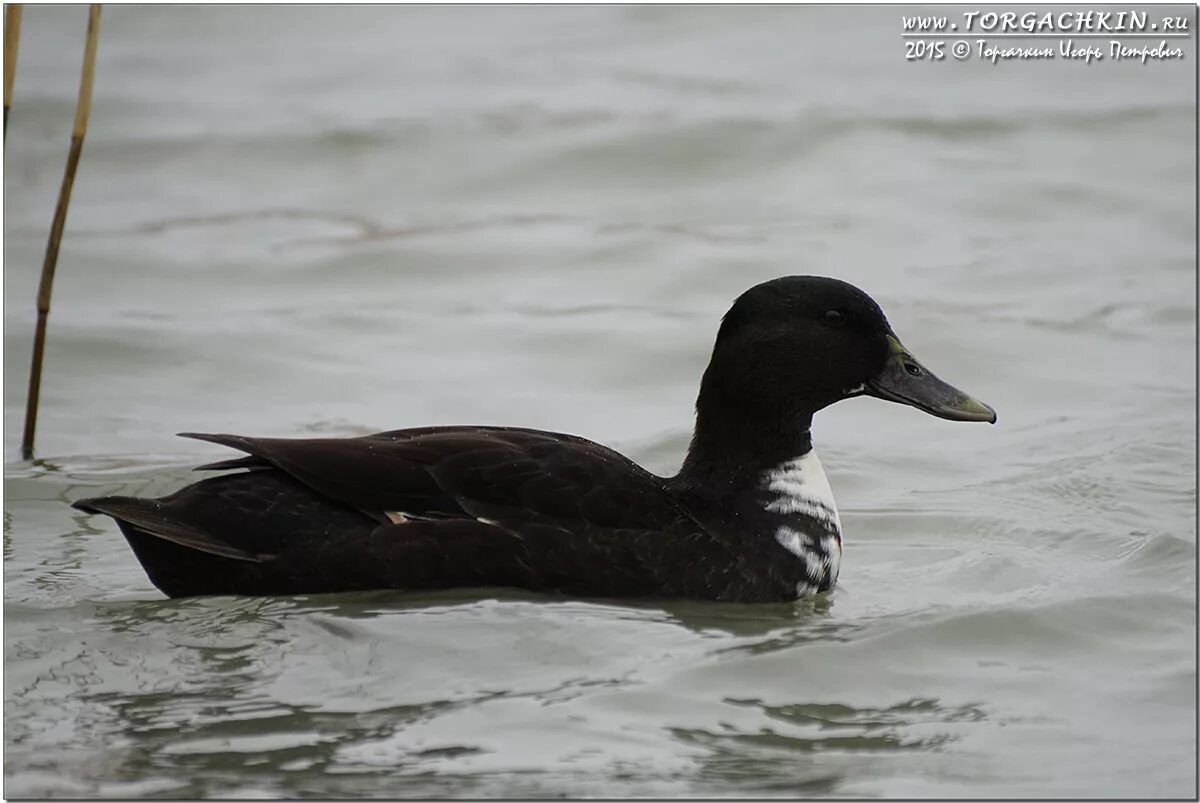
[[729, 452]]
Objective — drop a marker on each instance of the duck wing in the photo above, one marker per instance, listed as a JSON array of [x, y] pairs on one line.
[[496, 473]]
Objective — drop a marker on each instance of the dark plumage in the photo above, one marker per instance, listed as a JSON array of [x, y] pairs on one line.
[[747, 518]]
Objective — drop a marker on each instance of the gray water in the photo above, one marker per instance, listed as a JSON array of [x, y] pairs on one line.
[[329, 221]]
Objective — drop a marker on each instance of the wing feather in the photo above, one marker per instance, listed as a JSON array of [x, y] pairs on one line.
[[457, 470]]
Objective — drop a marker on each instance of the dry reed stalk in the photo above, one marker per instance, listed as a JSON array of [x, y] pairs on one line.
[[82, 107], [12, 38]]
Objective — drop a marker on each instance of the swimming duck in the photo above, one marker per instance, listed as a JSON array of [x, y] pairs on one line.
[[749, 517]]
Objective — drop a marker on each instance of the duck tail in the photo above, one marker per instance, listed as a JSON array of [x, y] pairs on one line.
[[149, 517]]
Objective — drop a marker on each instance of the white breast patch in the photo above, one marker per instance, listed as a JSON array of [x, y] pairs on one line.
[[803, 488]]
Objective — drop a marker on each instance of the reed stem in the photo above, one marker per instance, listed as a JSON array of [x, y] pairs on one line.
[[82, 107], [12, 38]]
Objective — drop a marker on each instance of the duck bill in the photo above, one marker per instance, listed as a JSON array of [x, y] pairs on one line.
[[905, 381]]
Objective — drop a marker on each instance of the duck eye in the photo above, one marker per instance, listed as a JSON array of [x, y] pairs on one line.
[[912, 368], [834, 317]]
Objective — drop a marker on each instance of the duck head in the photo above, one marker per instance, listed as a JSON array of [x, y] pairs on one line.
[[794, 345]]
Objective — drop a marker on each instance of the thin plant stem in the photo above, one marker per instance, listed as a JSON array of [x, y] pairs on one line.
[[12, 38], [82, 108]]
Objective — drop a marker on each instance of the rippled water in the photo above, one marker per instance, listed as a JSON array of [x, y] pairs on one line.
[[336, 220]]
